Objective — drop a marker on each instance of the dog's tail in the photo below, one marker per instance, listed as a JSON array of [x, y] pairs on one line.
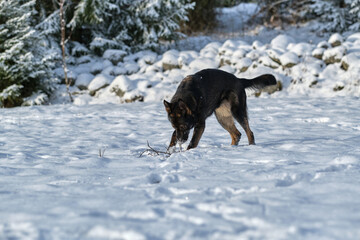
[[259, 82]]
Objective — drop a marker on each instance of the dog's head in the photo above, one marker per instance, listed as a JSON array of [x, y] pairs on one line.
[[181, 119]]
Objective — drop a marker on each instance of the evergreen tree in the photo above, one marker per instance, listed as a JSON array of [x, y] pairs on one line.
[[24, 59], [337, 15], [355, 11], [30, 36], [128, 24], [331, 13], [159, 20], [107, 21]]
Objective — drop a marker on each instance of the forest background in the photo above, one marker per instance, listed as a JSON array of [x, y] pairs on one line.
[[30, 32]]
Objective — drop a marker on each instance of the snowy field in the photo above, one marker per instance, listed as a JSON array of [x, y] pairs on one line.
[[74, 171], [301, 180]]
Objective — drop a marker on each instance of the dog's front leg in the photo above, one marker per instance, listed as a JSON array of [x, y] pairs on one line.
[[172, 141], [198, 131]]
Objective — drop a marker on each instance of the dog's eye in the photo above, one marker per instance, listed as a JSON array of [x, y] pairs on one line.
[[172, 115], [178, 115]]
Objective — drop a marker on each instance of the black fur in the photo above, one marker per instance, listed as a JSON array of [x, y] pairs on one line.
[[206, 92]]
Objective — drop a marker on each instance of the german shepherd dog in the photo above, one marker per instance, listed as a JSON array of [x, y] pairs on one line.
[[208, 91]]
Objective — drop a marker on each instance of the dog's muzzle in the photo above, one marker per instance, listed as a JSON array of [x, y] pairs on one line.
[[182, 136]]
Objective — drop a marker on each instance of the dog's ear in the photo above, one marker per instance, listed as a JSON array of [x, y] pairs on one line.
[[167, 106], [184, 107]]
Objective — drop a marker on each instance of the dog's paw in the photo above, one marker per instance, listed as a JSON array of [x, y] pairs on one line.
[[171, 150]]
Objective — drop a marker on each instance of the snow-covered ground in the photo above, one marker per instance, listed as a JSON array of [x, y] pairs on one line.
[[74, 171], [301, 180]]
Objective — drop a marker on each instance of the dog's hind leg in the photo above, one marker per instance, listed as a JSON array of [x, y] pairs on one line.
[[250, 135], [239, 111], [225, 118]]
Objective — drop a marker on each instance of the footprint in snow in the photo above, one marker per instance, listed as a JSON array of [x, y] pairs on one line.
[[154, 178], [341, 163], [290, 179]]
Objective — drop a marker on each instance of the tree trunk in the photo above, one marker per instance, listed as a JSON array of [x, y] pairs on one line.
[[62, 43]]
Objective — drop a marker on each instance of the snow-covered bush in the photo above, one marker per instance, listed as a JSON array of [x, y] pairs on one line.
[[100, 81], [121, 85], [170, 60], [25, 59]]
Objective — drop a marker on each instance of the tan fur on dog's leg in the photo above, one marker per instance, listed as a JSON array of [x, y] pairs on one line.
[[226, 120]]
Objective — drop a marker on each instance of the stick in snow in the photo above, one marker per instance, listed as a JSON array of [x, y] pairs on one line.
[[153, 151]]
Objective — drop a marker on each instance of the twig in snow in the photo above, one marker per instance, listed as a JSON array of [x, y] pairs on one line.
[[154, 152], [101, 152]]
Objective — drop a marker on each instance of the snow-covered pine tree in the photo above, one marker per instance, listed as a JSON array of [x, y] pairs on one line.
[[334, 18], [128, 24], [159, 20], [24, 59], [355, 11], [106, 20], [336, 15]]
